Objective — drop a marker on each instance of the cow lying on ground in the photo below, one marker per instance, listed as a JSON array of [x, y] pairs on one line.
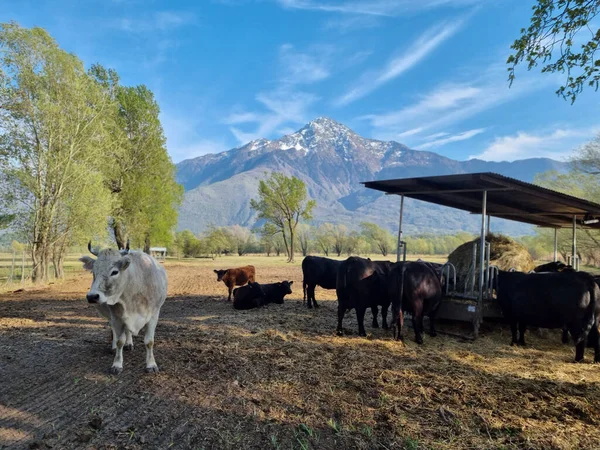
[[552, 300], [255, 295], [361, 284], [235, 277], [318, 271], [129, 289], [415, 288]]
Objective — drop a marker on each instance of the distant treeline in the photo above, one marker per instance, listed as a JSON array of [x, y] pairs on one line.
[[326, 239]]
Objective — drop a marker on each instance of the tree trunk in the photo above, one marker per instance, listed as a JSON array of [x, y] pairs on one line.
[[291, 252], [119, 231], [147, 244]]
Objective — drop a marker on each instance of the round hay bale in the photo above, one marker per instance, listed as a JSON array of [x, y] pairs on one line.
[[505, 253]]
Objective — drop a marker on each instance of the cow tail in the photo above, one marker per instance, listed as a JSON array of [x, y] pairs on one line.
[[590, 316]]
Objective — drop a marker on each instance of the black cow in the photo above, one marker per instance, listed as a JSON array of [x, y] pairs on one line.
[[415, 288], [249, 296], [318, 271], [555, 266], [255, 295], [552, 300], [361, 284]]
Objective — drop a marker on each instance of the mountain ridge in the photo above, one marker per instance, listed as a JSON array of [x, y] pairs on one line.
[[332, 160]]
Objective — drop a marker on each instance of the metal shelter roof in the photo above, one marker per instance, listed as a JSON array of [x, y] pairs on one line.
[[507, 198]]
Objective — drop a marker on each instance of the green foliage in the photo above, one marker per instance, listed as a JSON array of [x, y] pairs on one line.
[[140, 174], [53, 138], [75, 149], [434, 244], [283, 202], [582, 181], [324, 238], [304, 235], [553, 40], [381, 240]]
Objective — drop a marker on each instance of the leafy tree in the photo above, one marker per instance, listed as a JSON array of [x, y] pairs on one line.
[[381, 239], [53, 139], [324, 237], [241, 238], [339, 236], [554, 40], [304, 234], [268, 234], [283, 202], [139, 171]]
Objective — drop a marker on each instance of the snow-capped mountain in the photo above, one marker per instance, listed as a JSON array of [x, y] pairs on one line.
[[332, 160]]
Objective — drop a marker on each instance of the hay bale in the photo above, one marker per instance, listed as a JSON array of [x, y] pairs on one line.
[[505, 253]]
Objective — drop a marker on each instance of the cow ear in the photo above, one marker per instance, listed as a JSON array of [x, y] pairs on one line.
[[88, 263], [291, 282], [215, 271], [124, 263]]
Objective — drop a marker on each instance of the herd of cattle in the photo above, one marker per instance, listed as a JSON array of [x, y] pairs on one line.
[[129, 288]]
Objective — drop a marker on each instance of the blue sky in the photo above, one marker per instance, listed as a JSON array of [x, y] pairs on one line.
[[427, 73]]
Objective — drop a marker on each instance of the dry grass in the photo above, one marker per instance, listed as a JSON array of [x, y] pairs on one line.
[[278, 377]]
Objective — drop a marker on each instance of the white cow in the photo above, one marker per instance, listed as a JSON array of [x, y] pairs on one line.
[[129, 289]]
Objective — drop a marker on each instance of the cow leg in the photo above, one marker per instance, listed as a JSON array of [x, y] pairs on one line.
[[565, 335], [418, 326], [522, 328], [596, 342], [432, 331], [230, 291], [341, 311], [151, 366], [417, 318], [375, 311], [312, 295], [121, 333], [128, 341], [304, 292], [384, 322], [360, 317], [397, 324], [513, 331], [579, 350]]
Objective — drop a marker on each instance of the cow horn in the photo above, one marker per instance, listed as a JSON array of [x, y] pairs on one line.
[[91, 250]]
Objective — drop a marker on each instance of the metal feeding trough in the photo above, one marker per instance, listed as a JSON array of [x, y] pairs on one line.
[[491, 195]]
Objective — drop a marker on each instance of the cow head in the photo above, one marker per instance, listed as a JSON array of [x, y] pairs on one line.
[[286, 288], [220, 274], [108, 272]]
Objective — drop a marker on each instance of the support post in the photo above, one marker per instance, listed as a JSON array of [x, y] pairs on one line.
[[479, 313], [487, 233], [555, 244], [574, 243], [400, 228]]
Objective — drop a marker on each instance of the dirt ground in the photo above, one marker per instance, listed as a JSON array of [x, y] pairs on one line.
[[277, 377]]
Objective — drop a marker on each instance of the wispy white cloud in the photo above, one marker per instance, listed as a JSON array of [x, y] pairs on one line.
[[451, 103], [283, 106], [304, 67], [373, 7], [422, 47], [158, 21], [442, 98], [439, 139], [556, 144], [347, 23]]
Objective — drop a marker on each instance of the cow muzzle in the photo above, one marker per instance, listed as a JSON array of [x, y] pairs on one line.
[[93, 298]]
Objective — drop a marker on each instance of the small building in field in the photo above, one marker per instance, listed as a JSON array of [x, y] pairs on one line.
[[159, 253]]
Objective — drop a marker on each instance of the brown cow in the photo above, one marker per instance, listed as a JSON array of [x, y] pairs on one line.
[[235, 277]]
